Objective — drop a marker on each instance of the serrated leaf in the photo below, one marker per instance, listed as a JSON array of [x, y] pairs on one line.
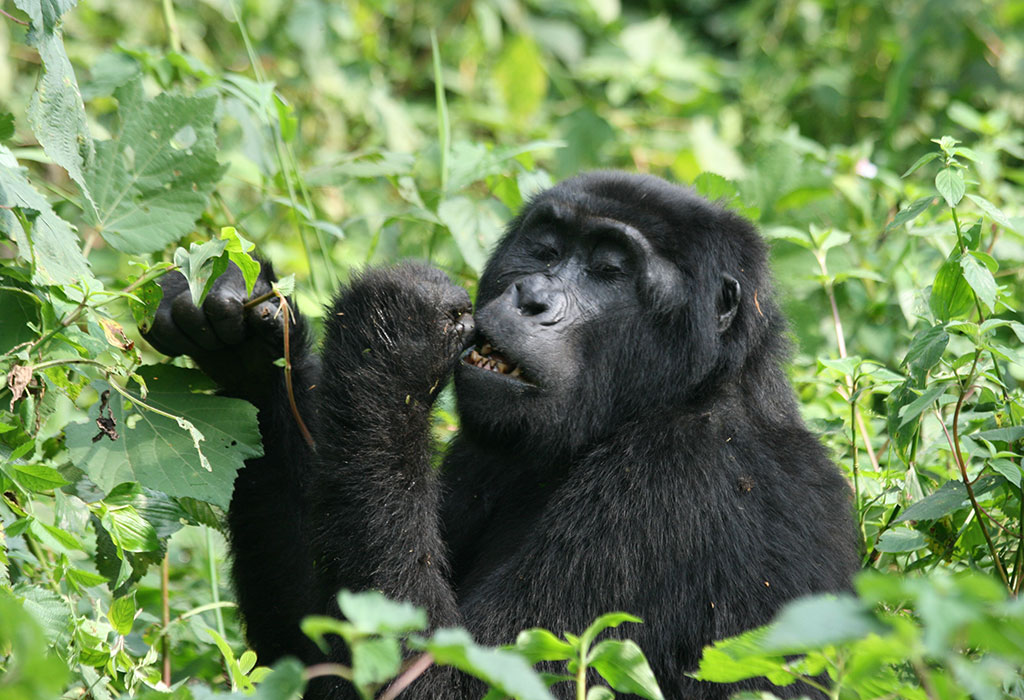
[[122, 614], [53, 248], [148, 186], [901, 540], [201, 264], [624, 667], [503, 670], [157, 453], [950, 184], [56, 112], [980, 279]]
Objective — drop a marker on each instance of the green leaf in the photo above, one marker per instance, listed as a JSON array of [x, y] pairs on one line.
[[738, 658], [993, 212], [122, 614], [129, 531], [35, 477], [916, 407], [926, 348], [238, 252], [600, 692], [811, 623], [540, 645], [951, 294], [152, 180], [947, 499], [901, 540], [950, 184], [371, 613], [51, 246], [375, 661], [56, 112], [201, 264], [31, 669], [475, 226], [980, 279], [624, 666], [1008, 469], [1010, 434], [503, 670], [6, 126], [285, 682], [158, 453], [923, 160], [606, 621], [911, 212]]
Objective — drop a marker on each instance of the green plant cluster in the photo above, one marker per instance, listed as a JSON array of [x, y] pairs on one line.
[[878, 146]]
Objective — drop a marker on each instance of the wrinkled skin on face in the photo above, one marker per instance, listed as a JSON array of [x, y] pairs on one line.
[[576, 292]]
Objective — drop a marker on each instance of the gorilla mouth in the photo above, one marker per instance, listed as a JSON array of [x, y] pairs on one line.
[[486, 357]]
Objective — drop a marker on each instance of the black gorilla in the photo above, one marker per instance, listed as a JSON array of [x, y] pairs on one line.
[[629, 440]]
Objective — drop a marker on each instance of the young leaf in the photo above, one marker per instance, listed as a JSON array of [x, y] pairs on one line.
[[238, 252], [923, 160], [375, 661], [371, 613], [151, 181], [980, 279], [122, 614], [606, 621], [503, 670], [540, 645], [911, 212], [624, 666], [201, 264], [950, 184]]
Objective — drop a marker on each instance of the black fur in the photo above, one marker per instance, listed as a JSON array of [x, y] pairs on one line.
[[653, 462]]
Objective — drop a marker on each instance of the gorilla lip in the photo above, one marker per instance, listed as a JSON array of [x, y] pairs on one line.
[[486, 357]]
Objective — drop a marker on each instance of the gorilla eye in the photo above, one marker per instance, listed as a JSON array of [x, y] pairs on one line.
[[609, 262], [545, 252]]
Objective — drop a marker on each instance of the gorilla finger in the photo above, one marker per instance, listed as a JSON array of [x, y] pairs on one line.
[[223, 306], [166, 337], [172, 284], [192, 322]]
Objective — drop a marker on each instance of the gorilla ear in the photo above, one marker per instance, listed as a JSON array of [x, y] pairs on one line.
[[728, 301]]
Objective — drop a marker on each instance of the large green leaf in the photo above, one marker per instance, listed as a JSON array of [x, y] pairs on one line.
[[503, 670], [156, 452], [56, 112], [50, 244], [623, 665], [151, 182]]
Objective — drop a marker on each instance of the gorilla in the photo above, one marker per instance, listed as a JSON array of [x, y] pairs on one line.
[[628, 439]]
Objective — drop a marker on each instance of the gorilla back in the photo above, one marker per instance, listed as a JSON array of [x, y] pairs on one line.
[[628, 440]]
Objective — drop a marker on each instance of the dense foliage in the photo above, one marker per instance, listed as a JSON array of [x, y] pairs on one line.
[[878, 145]]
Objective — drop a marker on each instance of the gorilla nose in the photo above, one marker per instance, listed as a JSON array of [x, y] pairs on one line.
[[541, 297]]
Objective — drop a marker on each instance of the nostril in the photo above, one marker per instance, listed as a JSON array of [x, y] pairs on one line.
[[533, 307]]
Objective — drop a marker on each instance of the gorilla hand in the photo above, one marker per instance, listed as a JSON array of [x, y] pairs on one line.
[[399, 330], [236, 346]]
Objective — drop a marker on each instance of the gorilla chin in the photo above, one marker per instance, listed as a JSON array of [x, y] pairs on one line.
[[629, 441]]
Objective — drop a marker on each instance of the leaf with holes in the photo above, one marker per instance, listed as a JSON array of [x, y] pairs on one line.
[[151, 181], [157, 452]]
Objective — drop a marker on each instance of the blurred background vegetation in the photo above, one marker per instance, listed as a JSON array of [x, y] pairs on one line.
[[368, 131]]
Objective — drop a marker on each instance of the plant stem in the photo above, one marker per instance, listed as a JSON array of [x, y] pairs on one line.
[[172, 26], [165, 641], [214, 581], [416, 669], [581, 676]]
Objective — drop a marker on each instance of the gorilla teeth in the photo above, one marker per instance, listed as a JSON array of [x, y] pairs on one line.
[[492, 364]]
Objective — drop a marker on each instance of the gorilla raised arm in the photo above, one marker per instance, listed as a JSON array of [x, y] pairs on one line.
[[628, 439]]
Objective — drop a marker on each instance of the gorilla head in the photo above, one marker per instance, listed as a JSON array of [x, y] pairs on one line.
[[609, 295]]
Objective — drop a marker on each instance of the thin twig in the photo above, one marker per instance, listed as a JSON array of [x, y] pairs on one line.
[[19, 21], [416, 669], [165, 641], [288, 373]]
